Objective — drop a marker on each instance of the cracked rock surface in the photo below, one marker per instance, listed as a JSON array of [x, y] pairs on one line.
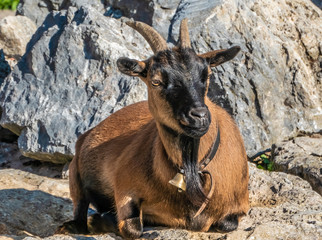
[[302, 156], [67, 82], [283, 206]]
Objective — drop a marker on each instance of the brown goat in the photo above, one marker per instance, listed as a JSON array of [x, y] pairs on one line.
[[123, 165]]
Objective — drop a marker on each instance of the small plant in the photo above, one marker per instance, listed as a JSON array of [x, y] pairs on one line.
[[264, 160], [9, 4]]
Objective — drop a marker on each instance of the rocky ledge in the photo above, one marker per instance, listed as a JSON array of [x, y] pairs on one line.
[[283, 206]]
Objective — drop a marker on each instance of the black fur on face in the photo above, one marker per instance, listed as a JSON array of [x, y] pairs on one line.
[[183, 84]]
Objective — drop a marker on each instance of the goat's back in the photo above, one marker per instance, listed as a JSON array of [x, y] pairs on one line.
[[99, 150]]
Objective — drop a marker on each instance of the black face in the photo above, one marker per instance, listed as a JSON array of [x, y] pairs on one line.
[[182, 81]]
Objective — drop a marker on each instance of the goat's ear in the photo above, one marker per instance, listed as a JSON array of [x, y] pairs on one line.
[[218, 57], [130, 67]]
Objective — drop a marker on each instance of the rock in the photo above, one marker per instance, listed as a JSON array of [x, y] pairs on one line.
[[4, 68], [7, 136], [157, 13], [138, 10], [318, 3], [301, 156], [99, 237], [17, 179], [37, 10], [68, 82], [8, 151], [5, 12], [15, 33], [277, 73], [31, 204], [81, 237], [10, 157], [164, 10], [283, 206]]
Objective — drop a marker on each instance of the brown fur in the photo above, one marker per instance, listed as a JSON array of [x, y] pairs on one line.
[[119, 157]]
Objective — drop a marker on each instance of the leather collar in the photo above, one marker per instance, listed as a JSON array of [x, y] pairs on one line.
[[212, 152]]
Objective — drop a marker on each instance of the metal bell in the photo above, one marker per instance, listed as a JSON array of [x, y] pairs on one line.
[[179, 182]]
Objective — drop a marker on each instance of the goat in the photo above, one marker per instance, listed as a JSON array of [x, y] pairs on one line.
[[123, 165]]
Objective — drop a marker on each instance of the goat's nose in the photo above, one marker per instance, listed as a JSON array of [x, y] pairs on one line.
[[200, 112]]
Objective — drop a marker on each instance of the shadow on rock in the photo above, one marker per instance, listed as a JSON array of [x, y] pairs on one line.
[[32, 212]]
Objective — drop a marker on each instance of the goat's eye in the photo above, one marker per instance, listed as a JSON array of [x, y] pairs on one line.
[[155, 82]]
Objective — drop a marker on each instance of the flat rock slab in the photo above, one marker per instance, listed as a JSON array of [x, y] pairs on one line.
[[283, 206], [32, 204], [302, 156]]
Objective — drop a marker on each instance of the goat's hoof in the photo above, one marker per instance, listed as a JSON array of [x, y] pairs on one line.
[[131, 228], [102, 223], [72, 227], [228, 224]]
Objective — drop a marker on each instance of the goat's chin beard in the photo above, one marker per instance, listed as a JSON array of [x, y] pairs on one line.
[[187, 131], [195, 135], [194, 132]]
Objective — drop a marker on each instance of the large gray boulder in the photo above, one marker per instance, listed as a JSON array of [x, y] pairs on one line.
[[31, 204], [157, 13], [37, 10], [68, 82]]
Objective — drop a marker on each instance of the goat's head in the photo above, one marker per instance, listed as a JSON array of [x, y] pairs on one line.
[[177, 80]]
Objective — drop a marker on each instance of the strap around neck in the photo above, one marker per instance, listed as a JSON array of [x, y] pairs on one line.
[[212, 152]]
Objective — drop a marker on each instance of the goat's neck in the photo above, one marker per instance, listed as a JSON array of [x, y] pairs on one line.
[[172, 144], [170, 141], [168, 151]]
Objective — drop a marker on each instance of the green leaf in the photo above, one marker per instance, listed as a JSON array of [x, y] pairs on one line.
[[260, 167], [264, 156], [270, 166], [9, 4], [14, 5], [267, 161]]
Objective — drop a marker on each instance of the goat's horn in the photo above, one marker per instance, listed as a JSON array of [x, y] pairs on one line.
[[184, 39], [155, 40]]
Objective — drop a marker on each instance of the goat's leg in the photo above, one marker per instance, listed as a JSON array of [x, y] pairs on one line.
[[80, 202], [102, 223], [227, 224], [79, 224], [129, 217]]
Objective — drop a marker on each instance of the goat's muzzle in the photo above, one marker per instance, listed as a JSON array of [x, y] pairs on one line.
[[196, 122]]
